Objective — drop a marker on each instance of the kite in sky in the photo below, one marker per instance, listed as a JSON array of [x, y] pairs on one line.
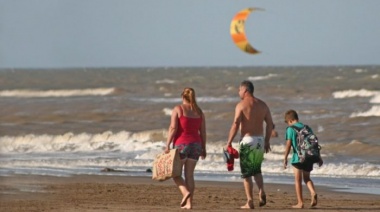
[[237, 30]]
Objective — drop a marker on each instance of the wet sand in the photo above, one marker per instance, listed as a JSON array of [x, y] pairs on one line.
[[120, 193]]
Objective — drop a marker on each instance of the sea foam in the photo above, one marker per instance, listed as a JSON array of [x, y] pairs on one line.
[[208, 99], [87, 153], [373, 111], [57, 93], [123, 141], [354, 93], [257, 78]]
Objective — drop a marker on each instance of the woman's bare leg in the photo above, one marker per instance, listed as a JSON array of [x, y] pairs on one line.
[[181, 184], [189, 180]]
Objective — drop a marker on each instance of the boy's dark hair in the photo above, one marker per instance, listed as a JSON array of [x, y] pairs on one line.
[[291, 115], [248, 85]]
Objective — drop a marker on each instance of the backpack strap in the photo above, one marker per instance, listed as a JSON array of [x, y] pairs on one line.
[[307, 127], [298, 133], [297, 129]]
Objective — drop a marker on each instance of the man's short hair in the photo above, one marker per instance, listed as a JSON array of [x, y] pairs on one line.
[[248, 85]]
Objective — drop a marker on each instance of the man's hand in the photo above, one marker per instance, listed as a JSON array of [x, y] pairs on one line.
[[267, 147], [227, 145]]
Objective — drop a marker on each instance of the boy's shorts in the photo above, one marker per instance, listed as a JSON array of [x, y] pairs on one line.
[[307, 167]]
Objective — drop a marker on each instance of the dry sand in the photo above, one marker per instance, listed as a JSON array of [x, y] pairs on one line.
[[119, 193]]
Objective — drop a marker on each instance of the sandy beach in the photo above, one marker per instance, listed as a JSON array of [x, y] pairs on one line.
[[119, 193]]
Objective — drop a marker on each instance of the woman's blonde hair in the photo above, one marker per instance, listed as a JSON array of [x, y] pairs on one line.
[[189, 95]]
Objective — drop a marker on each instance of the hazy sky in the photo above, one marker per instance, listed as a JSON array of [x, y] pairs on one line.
[[135, 33]]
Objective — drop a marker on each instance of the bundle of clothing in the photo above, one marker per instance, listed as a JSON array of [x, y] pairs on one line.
[[229, 155]]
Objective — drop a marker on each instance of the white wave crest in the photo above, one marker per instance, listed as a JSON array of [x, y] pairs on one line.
[[135, 151], [165, 81], [167, 111], [177, 100], [359, 70], [84, 142], [374, 111], [375, 99], [57, 93], [262, 77], [354, 93]]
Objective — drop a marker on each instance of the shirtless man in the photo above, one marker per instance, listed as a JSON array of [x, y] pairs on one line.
[[250, 115]]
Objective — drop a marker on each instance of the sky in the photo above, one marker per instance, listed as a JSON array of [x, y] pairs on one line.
[[186, 33]]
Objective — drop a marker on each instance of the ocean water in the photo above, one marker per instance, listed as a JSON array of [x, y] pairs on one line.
[[64, 122]]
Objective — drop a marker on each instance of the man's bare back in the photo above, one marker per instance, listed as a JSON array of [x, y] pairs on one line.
[[253, 113]]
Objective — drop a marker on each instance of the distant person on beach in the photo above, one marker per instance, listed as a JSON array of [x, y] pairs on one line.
[[250, 115], [301, 170], [187, 131]]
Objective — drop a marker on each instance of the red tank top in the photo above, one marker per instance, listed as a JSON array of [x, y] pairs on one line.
[[188, 130]]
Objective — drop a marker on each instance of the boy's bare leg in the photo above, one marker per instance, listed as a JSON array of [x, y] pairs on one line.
[[310, 186], [260, 184], [248, 187], [298, 186]]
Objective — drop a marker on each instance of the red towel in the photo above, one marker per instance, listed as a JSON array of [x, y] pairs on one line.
[[233, 154]]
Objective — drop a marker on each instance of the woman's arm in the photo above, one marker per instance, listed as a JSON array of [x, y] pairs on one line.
[[203, 137], [172, 128]]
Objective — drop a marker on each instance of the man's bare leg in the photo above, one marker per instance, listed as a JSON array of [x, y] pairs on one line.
[[260, 184], [248, 187], [298, 187]]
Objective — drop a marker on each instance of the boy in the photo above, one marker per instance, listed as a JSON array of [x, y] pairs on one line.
[[301, 170]]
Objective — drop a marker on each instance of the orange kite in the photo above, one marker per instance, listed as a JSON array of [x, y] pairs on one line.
[[237, 30]]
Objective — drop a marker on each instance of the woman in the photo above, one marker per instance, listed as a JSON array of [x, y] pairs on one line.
[[187, 131]]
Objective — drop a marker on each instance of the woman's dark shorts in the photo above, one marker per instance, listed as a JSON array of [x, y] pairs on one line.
[[191, 151]]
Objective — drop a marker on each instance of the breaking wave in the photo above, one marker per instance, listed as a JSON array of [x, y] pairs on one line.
[[358, 93], [135, 151], [84, 142], [29, 93], [257, 78], [374, 111], [176, 100]]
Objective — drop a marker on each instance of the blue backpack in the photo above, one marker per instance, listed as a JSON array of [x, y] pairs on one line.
[[308, 148]]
